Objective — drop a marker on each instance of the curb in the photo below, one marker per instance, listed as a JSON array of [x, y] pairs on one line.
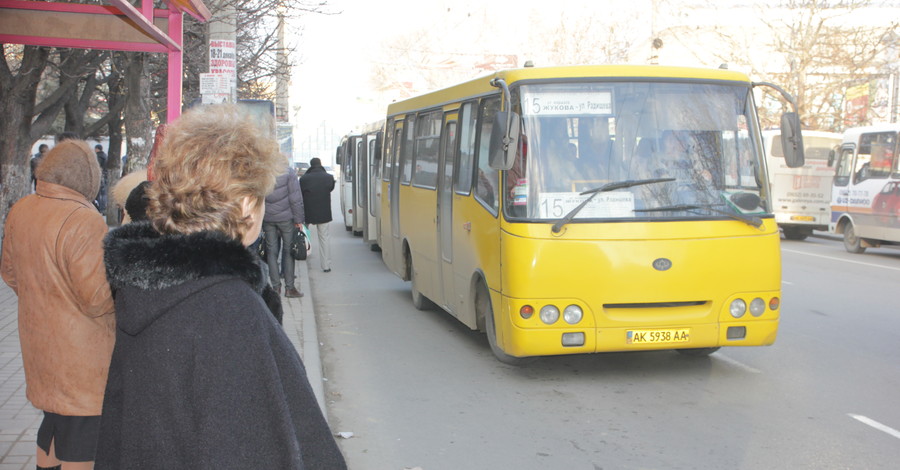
[[300, 326]]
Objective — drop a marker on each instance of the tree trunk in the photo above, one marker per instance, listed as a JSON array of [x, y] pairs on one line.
[[17, 96], [114, 158], [138, 125]]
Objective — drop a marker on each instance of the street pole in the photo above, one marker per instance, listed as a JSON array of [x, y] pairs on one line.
[[223, 52]]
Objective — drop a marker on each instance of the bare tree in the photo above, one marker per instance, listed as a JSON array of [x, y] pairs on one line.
[[26, 115], [820, 49], [37, 84], [591, 39]]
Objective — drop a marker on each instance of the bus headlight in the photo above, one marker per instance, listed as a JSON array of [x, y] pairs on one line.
[[738, 308], [757, 307], [572, 314], [549, 314]]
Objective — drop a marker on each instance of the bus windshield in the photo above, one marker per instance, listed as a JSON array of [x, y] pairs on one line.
[[689, 145]]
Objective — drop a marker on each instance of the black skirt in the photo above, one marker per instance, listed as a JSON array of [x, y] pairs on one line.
[[74, 438]]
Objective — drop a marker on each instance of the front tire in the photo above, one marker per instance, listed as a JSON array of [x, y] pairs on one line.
[[793, 233], [483, 304], [852, 242]]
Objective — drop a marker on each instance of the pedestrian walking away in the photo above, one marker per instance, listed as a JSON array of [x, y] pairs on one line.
[[284, 211], [101, 160], [202, 375], [53, 259], [317, 185], [35, 160]]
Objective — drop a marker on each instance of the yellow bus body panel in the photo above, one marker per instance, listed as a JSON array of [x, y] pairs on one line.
[[607, 270]]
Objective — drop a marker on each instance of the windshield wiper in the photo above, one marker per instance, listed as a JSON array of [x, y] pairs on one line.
[[602, 189], [753, 221]]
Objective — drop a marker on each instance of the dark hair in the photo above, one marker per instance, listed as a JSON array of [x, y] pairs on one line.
[[98, 147], [67, 136], [43, 147], [136, 204], [315, 162]]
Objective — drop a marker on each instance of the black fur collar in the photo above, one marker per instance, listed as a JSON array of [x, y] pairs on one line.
[[136, 255]]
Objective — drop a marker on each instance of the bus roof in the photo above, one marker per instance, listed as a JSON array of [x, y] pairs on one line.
[[852, 134], [482, 86]]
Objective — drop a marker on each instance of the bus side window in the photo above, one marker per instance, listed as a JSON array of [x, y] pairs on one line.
[[875, 156], [486, 189], [388, 150], [428, 138], [463, 182], [406, 150]]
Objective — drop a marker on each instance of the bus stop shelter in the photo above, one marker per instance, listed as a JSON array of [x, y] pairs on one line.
[[119, 26]]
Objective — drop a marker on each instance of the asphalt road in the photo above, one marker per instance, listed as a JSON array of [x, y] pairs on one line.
[[418, 389]]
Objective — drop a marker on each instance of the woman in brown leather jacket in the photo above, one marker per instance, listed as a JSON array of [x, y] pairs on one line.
[[53, 260]]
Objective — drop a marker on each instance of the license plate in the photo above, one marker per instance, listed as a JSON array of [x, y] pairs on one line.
[[803, 218], [680, 335]]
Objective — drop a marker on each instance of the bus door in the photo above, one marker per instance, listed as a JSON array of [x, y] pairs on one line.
[[402, 155], [374, 199], [446, 165], [391, 151], [360, 181], [347, 183], [840, 190]]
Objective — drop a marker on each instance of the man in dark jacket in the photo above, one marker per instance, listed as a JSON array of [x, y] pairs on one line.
[[317, 185], [284, 211]]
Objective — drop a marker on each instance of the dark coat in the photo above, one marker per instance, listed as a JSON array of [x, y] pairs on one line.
[[285, 203], [201, 375], [317, 185]]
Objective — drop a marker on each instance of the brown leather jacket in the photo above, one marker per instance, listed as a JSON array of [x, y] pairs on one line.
[[53, 260]]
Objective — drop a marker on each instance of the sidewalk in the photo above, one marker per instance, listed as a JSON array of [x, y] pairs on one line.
[[19, 421]]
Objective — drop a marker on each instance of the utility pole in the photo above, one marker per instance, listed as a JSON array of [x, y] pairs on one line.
[[285, 131]]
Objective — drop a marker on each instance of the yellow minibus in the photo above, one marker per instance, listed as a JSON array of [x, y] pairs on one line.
[[583, 209]]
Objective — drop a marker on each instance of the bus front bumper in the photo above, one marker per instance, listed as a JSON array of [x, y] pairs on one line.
[[559, 341]]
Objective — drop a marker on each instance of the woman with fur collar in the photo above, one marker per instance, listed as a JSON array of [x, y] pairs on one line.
[[202, 376]]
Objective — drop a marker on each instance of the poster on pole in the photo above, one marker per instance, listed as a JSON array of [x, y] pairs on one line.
[[223, 61]]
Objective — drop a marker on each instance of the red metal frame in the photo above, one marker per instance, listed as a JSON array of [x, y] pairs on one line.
[[169, 42]]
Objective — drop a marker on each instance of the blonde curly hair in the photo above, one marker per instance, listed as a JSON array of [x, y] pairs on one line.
[[211, 159]]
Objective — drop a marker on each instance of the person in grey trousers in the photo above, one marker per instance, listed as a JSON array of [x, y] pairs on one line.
[[284, 211]]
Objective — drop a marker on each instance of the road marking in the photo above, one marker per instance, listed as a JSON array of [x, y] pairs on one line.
[[842, 259], [738, 364], [875, 424], [787, 283]]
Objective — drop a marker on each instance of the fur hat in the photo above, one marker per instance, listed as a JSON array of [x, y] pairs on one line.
[[136, 204], [121, 190], [72, 164]]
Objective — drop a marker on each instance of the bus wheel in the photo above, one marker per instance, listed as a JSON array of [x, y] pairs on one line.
[[852, 242], [419, 301], [794, 233], [483, 305], [697, 352]]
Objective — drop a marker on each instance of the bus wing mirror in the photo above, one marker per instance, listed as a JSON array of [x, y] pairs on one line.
[[791, 140], [831, 156], [504, 140]]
